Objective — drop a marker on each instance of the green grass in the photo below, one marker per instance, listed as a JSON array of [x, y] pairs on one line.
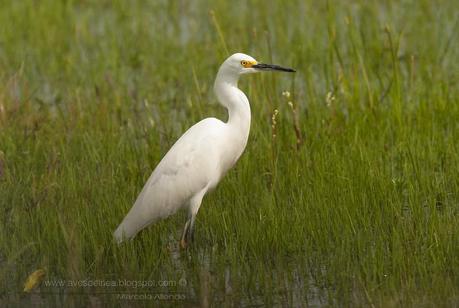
[[363, 212]]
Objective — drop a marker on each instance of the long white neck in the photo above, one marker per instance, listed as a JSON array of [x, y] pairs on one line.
[[234, 100]]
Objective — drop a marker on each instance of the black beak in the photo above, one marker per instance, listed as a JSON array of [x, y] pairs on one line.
[[272, 67]]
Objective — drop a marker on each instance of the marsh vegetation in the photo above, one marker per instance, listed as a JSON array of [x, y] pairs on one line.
[[347, 193]]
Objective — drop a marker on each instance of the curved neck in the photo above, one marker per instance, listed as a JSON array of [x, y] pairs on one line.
[[233, 99]]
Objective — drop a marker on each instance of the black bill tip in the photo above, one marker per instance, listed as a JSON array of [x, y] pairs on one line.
[[272, 67]]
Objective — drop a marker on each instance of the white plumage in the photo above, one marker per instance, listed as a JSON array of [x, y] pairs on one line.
[[199, 159]]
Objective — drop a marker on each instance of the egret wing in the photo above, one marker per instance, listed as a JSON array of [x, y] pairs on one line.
[[185, 170]]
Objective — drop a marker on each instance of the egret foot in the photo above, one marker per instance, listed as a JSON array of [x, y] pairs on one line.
[[183, 244], [188, 232], [186, 240]]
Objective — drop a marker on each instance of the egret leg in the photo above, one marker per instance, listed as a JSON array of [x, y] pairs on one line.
[[188, 230], [183, 239], [191, 232]]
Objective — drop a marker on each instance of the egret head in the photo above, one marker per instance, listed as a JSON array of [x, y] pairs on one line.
[[240, 63]]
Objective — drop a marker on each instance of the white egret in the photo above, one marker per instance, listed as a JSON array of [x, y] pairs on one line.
[[200, 158]]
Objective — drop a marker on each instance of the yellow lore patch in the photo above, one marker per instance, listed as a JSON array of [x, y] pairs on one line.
[[248, 64]]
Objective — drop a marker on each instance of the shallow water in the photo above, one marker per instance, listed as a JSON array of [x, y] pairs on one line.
[[197, 281]]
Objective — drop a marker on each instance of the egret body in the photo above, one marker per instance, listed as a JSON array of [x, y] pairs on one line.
[[200, 158]]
